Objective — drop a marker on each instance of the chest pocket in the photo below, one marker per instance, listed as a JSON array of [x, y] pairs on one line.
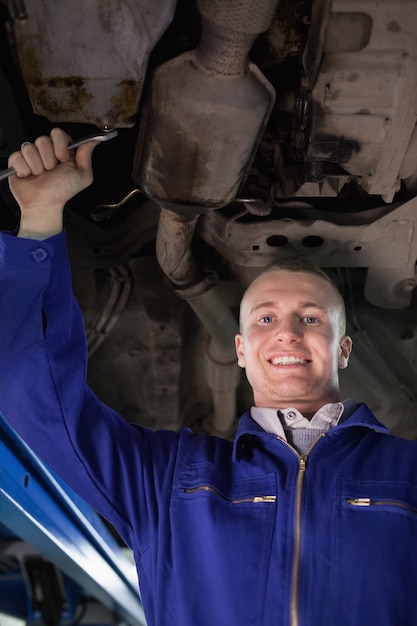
[[223, 533], [375, 535]]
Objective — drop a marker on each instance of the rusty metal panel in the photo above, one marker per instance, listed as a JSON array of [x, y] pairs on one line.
[[86, 61], [365, 97]]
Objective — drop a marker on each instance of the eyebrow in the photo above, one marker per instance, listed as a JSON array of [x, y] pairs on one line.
[[302, 305]]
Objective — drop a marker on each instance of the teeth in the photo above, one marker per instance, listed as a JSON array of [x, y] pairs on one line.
[[287, 360]]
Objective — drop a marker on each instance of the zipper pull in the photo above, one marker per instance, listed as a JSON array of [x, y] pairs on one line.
[[303, 462], [359, 501]]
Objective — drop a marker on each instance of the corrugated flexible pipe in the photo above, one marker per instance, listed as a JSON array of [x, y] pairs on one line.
[[173, 250]]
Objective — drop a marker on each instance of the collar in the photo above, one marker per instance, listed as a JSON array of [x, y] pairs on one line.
[[360, 415], [277, 421]]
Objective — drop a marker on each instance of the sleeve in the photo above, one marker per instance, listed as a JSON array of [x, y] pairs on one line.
[[125, 472]]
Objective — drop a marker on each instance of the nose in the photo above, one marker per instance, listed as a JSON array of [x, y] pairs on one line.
[[289, 330]]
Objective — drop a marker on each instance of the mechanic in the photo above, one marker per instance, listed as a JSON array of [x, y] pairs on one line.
[[308, 518]]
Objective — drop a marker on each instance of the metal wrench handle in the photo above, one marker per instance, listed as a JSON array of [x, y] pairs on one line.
[[74, 144]]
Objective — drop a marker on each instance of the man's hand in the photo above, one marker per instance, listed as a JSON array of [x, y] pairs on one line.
[[47, 176]]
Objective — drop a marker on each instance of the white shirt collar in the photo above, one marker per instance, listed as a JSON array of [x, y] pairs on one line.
[[276, 421]]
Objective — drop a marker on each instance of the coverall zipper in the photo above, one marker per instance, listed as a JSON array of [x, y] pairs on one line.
[[303, 458], [297, 541]]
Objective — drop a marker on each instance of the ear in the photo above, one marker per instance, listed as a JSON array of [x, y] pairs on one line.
[[345, 348], [240, 352]]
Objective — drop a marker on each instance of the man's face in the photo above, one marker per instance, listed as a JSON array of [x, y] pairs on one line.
[[290, 342]]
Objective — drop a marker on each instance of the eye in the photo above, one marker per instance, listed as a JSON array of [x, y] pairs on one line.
[[311, 319], [266, 319]]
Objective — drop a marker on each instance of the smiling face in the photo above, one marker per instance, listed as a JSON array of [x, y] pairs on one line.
[[290, 341]]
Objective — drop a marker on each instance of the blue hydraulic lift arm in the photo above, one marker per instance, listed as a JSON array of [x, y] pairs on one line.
[[45, 513]]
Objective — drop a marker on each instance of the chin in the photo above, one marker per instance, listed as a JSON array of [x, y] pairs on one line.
[[289, 393]]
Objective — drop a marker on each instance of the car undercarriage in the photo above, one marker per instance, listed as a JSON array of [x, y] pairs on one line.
[[248, 132]]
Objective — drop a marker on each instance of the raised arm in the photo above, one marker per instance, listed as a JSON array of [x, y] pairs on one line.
[[43, 359], [47, 176]]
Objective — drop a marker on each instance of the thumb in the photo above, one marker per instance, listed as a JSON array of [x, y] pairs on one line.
[[83, 156]]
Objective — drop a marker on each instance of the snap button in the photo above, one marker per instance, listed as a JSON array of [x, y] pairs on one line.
[[291, 415], [39, 255]]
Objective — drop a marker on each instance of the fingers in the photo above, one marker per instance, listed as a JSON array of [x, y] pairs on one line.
[[60, 141], [17, 160], [31, 155], [43, 155], [48, 152]]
